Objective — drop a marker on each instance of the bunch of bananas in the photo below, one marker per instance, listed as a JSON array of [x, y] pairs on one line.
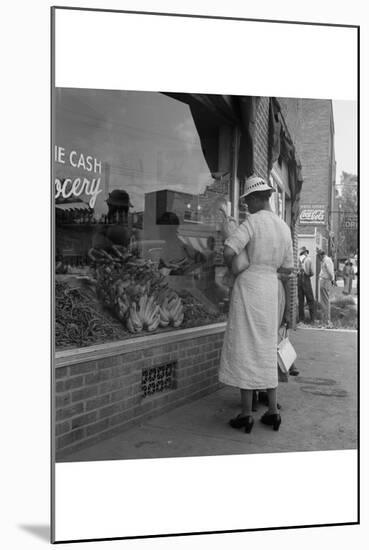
[[144, 315], [171, 310]]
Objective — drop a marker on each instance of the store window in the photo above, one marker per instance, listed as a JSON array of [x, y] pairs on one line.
[[137, 216]]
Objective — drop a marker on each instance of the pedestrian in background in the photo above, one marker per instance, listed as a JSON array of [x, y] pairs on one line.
[[304, 285], [326, 280], [348, 276]]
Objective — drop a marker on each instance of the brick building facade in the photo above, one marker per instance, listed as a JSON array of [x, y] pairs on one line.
[[262, 168], [262, 138], [311, 125], [310, 122]]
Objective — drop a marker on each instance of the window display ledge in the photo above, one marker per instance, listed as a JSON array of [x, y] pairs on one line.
[[91, 353]]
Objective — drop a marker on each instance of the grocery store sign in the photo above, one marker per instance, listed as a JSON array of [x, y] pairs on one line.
[[312, 214], [75, 187]]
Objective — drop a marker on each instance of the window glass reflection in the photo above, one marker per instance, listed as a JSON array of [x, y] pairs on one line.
[[137, 208]]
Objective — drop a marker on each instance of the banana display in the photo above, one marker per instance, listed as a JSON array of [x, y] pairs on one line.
[[149, 315], [138, 295], [144, 315], [171, 310]]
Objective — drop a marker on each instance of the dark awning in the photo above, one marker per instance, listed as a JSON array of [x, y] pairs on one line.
[[209, 112], [281, 145]]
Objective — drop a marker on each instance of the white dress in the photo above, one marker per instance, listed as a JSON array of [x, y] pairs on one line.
[[249, 354]]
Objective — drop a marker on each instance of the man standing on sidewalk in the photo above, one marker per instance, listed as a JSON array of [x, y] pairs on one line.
[[326, 279], [304, 285]]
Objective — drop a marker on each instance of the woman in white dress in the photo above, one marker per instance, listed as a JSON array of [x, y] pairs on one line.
[[249, 354]]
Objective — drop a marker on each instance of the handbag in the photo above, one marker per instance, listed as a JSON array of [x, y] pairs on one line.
[[286, 354]]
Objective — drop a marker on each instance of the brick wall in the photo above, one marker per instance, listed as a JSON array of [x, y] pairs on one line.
[[261, 168], [96, 399], [261, 138]]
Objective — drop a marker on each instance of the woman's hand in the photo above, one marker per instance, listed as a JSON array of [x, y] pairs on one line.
[[286, 273], [228, 226], [228, 254]]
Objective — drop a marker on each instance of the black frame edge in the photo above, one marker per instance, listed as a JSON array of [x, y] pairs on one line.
[[201, 16], [52, 444]]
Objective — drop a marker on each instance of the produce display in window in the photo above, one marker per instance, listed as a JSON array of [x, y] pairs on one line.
[[124, 297], [137, 293], [138, 223], [78, 319]]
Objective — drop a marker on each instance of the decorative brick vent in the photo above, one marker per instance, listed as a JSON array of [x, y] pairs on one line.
[[158, 379]]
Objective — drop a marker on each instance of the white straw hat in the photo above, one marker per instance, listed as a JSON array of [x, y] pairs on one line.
[[255, 183]]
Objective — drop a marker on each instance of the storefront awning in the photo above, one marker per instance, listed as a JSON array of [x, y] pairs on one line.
[[210, 111], [281, 145], [72, 206]]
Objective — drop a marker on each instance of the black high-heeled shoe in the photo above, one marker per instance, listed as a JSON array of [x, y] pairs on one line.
[[273, 420], [240, 421]]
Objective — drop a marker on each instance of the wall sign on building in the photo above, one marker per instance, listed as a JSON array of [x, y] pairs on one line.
[[313, 214], [350, 221]]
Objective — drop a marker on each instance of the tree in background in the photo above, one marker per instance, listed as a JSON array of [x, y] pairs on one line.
[[347, 204]]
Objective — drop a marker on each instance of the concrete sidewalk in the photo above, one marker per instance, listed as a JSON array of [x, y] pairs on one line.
[[319, 412]]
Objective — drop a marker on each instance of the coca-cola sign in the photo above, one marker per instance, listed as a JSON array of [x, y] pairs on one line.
[[313, 214]]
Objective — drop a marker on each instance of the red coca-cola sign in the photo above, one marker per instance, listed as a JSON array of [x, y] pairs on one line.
[[313, 214]]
